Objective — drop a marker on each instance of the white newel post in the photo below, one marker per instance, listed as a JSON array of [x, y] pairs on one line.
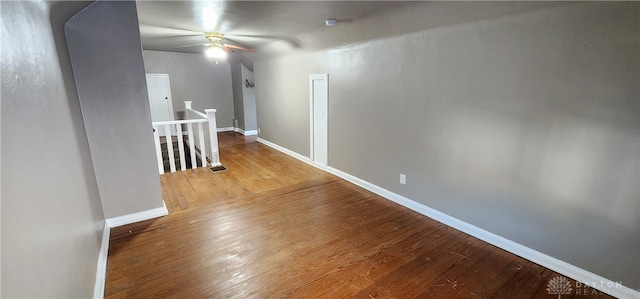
[[213, 133], [187, 107], [156, 140]]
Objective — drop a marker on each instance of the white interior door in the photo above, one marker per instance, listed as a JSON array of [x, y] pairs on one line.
[[160, 100], [319, 104]]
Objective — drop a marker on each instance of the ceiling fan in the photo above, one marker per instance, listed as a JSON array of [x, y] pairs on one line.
[[172, 39], [217, 48]]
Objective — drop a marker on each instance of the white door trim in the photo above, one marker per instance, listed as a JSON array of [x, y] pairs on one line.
[[313, 77]]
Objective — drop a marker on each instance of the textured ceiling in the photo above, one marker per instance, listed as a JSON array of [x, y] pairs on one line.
[[172, 25], [282, 27]]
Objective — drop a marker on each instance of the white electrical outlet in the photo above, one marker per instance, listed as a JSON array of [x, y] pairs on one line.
[[403, 179], [259, 131]]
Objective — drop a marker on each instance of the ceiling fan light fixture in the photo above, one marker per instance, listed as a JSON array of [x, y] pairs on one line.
[[216, 52]]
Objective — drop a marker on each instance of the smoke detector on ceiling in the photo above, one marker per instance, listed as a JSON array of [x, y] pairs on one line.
[[330, 22]]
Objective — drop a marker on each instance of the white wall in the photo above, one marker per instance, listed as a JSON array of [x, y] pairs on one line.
[[525, 125], [195, 78], [52, 219]]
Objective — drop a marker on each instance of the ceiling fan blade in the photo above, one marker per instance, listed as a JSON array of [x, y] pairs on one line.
[[292, 42], [160, 31], [192, 45], [238, 47], [176, 36]]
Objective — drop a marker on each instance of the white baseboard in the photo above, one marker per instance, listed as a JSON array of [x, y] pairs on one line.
[[225, 129], [101, 272], [250, 133], [591, 279], [246, 133], [287, 151], [137, 217]]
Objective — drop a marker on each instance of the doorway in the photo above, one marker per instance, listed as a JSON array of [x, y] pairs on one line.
[[160, 101], [319, 109]]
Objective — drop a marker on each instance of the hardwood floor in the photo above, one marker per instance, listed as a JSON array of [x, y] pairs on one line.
[[273, 227]]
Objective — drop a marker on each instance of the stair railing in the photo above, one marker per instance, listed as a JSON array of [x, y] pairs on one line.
[[209, 133], [201, 135]]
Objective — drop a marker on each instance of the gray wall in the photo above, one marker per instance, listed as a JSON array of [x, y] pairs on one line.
[[111, 83], [244, 98], [248, 100], [238, 105], [282, 99], [195, 78], [52, 218], [526, 125]]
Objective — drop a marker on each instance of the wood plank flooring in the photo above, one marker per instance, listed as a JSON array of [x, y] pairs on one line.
[[273, 227]]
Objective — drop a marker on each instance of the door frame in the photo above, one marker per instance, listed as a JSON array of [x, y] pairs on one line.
[[313, 77]]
